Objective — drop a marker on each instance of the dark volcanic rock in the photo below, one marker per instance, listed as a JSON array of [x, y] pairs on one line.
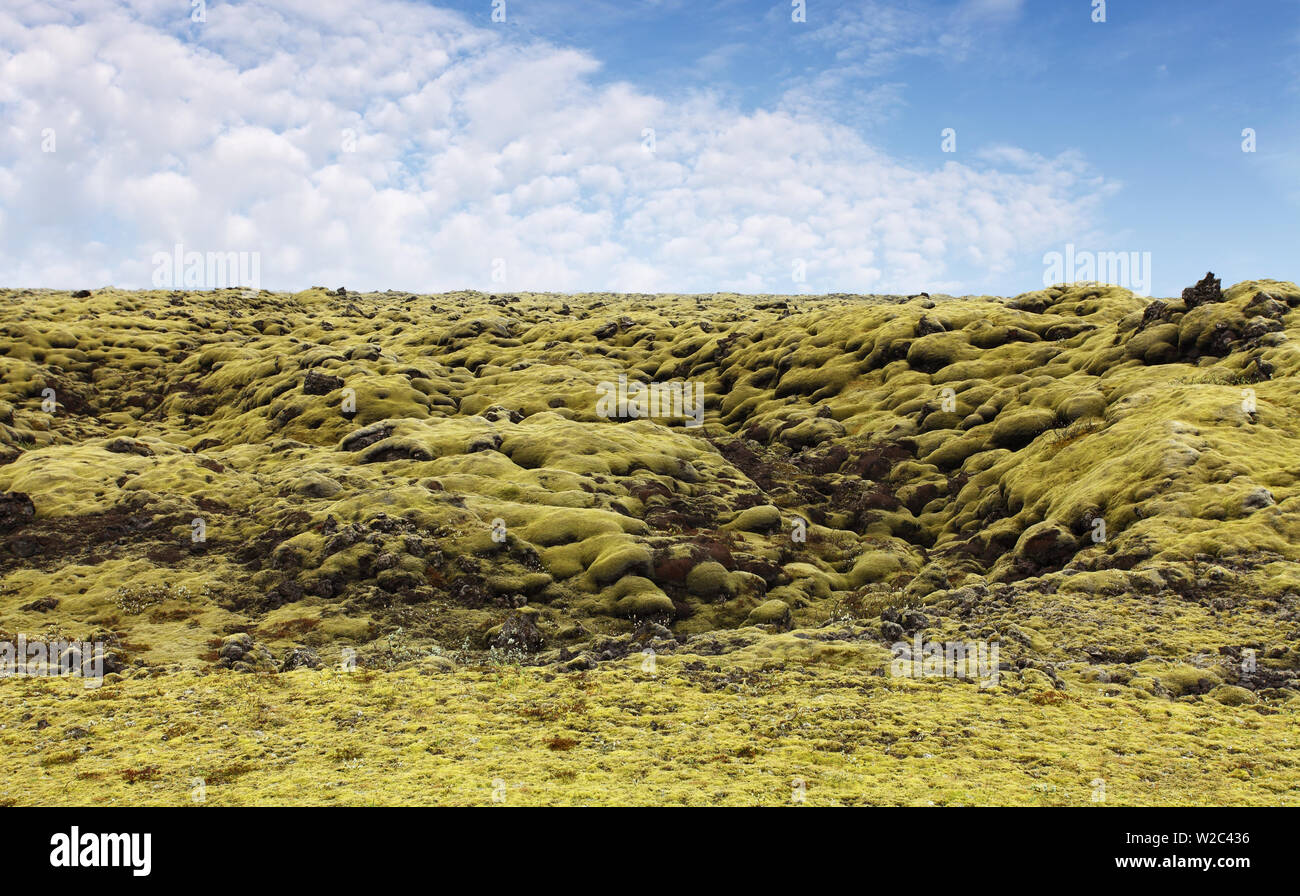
[[520, 632], [129, 446], [16, 510], [320, 383], [1208, 290], [367, 436], [300, 658]]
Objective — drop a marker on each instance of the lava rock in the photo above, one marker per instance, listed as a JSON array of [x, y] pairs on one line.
[[16, 510], [367, 435], [1208, 290], [316, 383], [125, 445], [300, 658], [519, 632]]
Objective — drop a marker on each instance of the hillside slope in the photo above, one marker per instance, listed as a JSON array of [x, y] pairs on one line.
[[1103, 486]]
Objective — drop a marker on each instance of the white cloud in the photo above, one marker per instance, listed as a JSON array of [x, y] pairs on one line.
[[470, 147]]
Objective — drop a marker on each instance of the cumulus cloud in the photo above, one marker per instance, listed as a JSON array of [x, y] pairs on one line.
[[393, 145]]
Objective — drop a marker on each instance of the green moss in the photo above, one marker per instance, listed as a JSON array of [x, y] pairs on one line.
[[764, 518], [1181, 679], [708, 579], [619, 560], [960, 475], [1015, 429], [936, 351], [771, 612], [638, 597], [875, 566], [1230, 695]]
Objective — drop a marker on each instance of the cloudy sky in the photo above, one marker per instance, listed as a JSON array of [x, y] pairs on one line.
[[667, 145]]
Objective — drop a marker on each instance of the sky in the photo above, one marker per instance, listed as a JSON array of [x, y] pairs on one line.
[[691, 146]]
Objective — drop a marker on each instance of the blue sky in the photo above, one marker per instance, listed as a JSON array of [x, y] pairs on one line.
[[512, 156], [1155, 98]]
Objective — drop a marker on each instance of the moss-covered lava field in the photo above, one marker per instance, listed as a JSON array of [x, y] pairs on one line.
[[391, 548]]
